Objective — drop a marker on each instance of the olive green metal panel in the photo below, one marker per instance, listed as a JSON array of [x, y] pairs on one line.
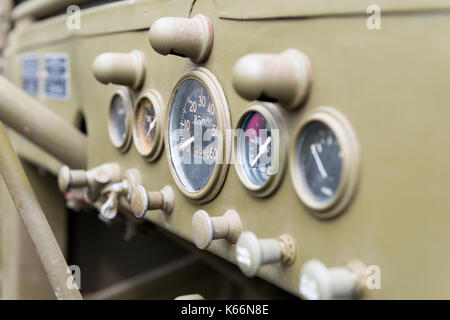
[[391, 84]]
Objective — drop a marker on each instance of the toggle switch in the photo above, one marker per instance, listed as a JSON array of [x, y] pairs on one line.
[[186, 37], [132, 178], [252, 253], [284, 78], [318, 282], [94, 179], [205, 229], [127, 69], [142, 200]]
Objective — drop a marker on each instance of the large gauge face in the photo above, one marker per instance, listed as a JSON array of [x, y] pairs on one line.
[[198, 113], [320, 161], [147, 125], [120, 113], [325, 162]]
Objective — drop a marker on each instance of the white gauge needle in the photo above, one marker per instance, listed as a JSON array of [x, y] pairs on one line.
[[262, 150], [318, 162], [150, 127], [186, 143]]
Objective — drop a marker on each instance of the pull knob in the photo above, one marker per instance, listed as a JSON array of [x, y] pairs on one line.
[[94, 179], [127, 69], [194, 296], [185, 37], [283, 78], [205, 229], [252, 253], [318, 282], [132, 178], [142, 200]]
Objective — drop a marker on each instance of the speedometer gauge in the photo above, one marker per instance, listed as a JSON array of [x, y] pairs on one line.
[[325, 163], [120, 119], [147, 131], [260, 148], [197, 120]]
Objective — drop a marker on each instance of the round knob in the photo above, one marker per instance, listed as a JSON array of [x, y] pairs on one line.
[[252, 253], [139, 201], [318, 282], [185, 37], [142, 200], [126, 69], [71, 178], [283, 78], [206, 229]]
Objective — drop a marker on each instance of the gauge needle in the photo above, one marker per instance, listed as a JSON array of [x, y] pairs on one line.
[[262, 150], [186, 143], [318, 162], [150, 127]]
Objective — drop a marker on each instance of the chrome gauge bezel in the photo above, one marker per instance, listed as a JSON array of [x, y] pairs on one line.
[[350, 149], [157, 104], [125, 95], [215, 183], [273, 117]]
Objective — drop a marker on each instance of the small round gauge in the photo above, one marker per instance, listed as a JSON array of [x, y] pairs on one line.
[[260, 148], [147, 132], [320, 161], [120, 118], [197, 120], [325, 163]]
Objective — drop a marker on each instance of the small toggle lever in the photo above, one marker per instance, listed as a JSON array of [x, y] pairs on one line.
[[185, 37], [317, 282], [205, 229], [142, 200], [132, 178], [94, 179], [252, 253]]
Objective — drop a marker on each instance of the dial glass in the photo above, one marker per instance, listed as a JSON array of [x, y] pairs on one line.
[[145, 126], [192, 134], [118, 122], [255, 148], [320, 161]]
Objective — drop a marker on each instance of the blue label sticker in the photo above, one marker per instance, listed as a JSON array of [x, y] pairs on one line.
[[57, 76], [30, 74]]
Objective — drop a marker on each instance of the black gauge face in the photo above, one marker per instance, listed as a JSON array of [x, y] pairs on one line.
[[118, 120], [320, 161], [192, 134], [145, 126], [255, 148]]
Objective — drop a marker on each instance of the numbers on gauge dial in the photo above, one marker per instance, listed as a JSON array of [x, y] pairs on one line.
[[320, 161], [193, 134], [255, 148]]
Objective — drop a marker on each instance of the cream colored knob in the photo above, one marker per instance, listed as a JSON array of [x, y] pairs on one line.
[[206, 229], [194, 296], [127, 69], [68, 179], [283, 78], [317, 282], [252, 253], [186, 37], [142, 201]]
